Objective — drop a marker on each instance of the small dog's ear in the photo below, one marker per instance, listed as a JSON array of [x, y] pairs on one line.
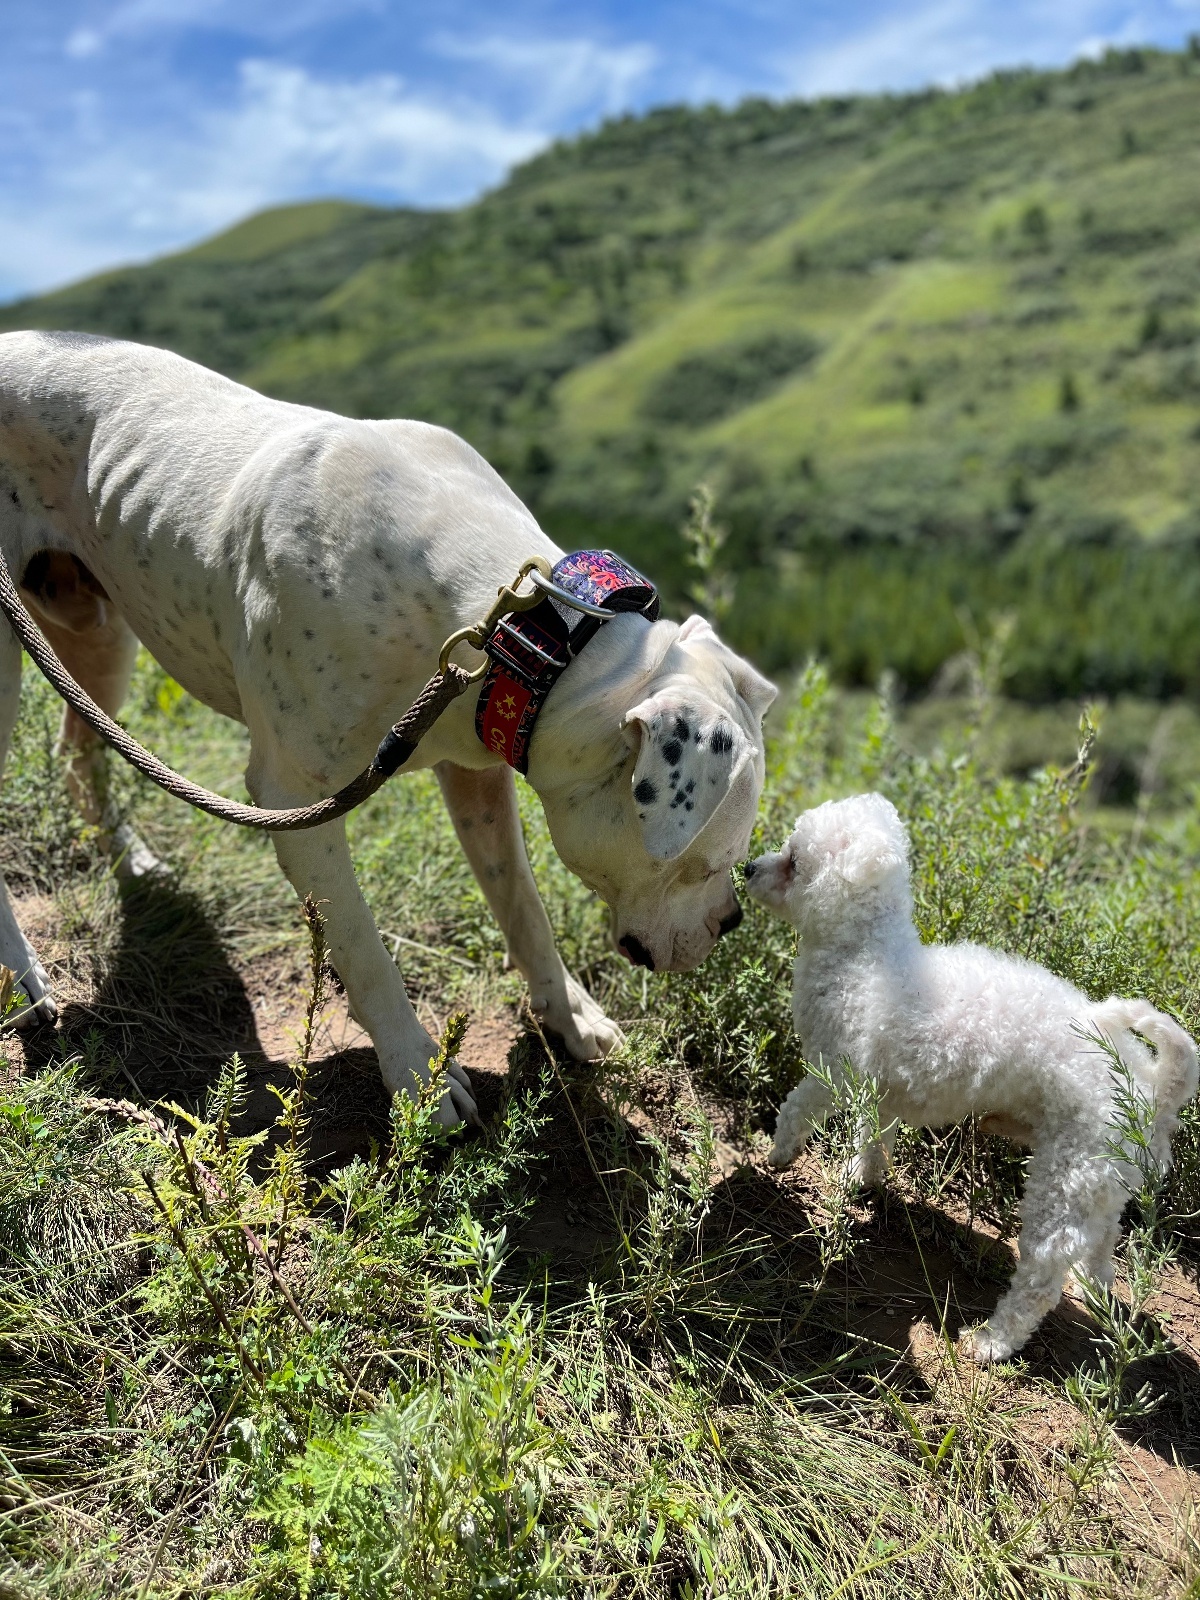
[[690, 759], [867, 860]]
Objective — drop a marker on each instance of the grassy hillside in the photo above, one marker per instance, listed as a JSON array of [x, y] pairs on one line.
[[939, 356]]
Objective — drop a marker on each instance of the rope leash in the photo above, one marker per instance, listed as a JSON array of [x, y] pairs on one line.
[[395, 748]]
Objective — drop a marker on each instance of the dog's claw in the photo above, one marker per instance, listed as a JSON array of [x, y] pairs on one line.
[[573, 1016], [39, 1009], [458, 1103], [132, 858], [983, 1346], [33, 1014]]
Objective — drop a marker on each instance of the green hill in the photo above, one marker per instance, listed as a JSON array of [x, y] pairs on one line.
[[938, 355]]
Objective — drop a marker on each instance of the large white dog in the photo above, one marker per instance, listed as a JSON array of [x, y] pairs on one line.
[[299, 571], [952, 1030]]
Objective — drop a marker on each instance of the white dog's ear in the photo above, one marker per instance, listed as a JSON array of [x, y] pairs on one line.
[[688, 758], [758, 692]]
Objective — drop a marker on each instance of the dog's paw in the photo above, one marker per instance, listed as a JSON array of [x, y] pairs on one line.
[[867, 1170], [570, 1013], [457, 1103], [27, 1001], [782, 1155], [984, 1346], [132, 858]]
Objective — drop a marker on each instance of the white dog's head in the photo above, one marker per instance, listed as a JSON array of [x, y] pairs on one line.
[[648, 758], [845, 855]]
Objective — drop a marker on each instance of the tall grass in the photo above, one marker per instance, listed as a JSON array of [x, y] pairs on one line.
[[567, 1356]]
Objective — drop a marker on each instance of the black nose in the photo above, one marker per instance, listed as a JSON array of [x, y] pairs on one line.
[[749, 870], [732, 921], [636, 951]]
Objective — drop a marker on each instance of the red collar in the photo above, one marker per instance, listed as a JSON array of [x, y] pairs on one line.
[[530, 650]]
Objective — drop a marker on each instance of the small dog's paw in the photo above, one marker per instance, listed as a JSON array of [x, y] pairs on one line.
[[577, 1020], [867, 1170], [983, 1346]]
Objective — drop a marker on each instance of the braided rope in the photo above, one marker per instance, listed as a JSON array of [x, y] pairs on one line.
[[394, 750]]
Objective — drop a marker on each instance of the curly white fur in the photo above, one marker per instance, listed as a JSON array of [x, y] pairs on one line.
[[950, 1031]]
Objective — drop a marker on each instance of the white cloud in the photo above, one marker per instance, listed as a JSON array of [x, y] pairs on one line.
[[82, 43], [954, 41], [292, 132], [563, 76], [288, 135], [935, 43]]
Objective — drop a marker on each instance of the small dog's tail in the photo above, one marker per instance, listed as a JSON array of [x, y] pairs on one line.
[[1174, 1073]]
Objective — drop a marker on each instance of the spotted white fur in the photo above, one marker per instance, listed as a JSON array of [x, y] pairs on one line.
[[298, 571]]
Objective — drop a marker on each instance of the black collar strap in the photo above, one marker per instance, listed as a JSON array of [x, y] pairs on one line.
[[530, 650]]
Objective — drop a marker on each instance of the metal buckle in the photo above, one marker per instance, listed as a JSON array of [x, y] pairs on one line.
[[572, 600]]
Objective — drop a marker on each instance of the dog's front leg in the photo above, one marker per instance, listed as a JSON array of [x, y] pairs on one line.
[[317, 863], [874, 1151], [483, 808], [806, 1108], [34, 1000]]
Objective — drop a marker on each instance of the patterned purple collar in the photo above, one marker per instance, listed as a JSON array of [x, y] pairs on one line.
[[530, 650]]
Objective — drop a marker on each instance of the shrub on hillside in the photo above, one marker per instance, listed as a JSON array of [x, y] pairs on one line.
[[705, 387]]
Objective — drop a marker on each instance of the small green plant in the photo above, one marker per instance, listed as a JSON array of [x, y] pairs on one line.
[[442, 1488], [1128, 1333], [704, 539], [851, 1125]]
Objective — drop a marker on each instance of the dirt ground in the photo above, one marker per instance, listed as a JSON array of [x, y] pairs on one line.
[[915, 1270]]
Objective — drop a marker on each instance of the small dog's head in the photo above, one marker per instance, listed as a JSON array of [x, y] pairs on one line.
[[842, 853]]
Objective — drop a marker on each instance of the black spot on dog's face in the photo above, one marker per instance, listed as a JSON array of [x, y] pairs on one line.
[[645, 794], [721, 741], [681, 730], [672, 751]]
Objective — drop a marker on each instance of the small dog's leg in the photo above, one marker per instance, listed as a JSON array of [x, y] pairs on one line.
[[483, 808], [100, 660], [1059, 1199], [874, 1156], [804, 1109], [1036, 1288], [1104, 1230], [16, 953]]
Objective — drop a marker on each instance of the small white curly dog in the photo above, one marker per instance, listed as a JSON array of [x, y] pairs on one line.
[[950, 1031]]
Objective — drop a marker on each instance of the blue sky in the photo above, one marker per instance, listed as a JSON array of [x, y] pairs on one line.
[[130, 127]]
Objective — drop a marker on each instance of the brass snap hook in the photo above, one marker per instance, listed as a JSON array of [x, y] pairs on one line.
[[507, 599]]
